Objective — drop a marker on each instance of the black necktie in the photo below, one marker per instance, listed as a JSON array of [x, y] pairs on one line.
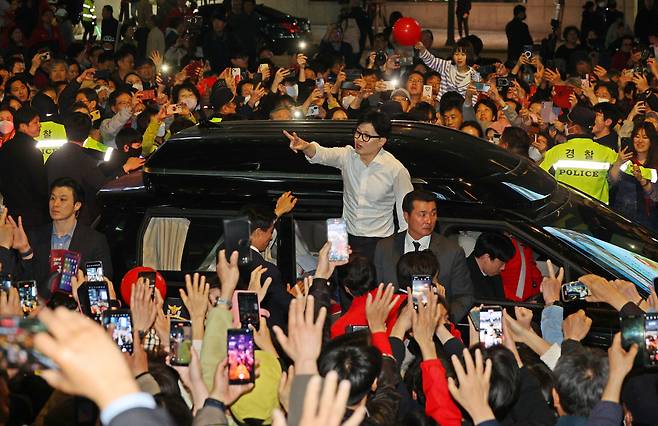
[[416, 245]]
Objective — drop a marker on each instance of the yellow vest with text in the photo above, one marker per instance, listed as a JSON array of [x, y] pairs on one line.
[[51, 137], [649, 174], [583, 164]]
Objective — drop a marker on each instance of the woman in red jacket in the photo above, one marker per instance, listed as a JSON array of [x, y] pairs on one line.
[[46, 34]]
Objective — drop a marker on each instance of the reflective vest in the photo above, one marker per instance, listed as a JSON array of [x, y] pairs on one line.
[[583, 164], [51, 137], [88, 11], [649, 174]]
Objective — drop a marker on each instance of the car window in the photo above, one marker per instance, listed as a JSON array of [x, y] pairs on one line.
[[181, 243]]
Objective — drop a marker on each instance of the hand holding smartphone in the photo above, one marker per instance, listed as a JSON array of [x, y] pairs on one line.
[[123, 328], [491, 326], [94, 299], [241, 357], [427, 91], [248, 309], [237, 237], [27, 290], [420, 284], [180, 342], [573, 291]]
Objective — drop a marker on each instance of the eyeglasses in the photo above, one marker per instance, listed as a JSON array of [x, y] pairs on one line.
[[364, 136]]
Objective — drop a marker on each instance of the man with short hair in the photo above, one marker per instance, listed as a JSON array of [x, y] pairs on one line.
[[450, 108], [492, 250], [24, 184], [607, 116], [518, 34], [64, 233], [375, 182], [420, 213], [580, 162], [122, 103]]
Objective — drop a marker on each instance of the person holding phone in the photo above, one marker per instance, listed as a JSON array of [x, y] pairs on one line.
[[375, 182], [634, 176]]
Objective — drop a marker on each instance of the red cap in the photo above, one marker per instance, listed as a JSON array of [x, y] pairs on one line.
[[131, 277]]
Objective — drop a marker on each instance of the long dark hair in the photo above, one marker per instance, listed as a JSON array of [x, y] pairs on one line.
[[650, 131]]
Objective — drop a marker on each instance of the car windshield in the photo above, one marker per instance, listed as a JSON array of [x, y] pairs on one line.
[[616, 244]]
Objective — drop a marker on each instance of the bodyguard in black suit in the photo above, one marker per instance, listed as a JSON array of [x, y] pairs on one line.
[[491, 252], [277, 299], [420, 212], [65, 232], [23, 176]]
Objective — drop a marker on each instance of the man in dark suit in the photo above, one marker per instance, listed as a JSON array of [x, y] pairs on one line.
[[420, 212], [23, 181], [518, 34], [491, 252], [277, 299], [64, 233]]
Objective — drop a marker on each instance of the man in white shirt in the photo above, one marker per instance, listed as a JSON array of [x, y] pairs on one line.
[[374, 181]]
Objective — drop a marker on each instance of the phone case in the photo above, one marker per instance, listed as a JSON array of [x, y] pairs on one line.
[[64, 262], [237, 237]]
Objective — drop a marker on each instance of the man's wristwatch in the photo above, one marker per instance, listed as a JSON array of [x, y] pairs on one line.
[[225, 302]]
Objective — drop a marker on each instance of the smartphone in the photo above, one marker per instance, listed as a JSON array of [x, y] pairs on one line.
[[174, 109], [390, 84], [262, 68], [94, 299], [123, 328], [355, 328], [427, 91], [527, 51], [584, 82], [149, 276], [491, 326], [94, 271], [241, 358], [27, 290], [405, 61], [248, 309], [632, 331], [146, 95], [627, 143], [482, 87], [319, 83], [419, 283], [547, 112], [349, 85], [175, 308], [561, 97], [475, 318], [5, 282], [236, 74], [337, 235], [45, 56], [651, 339], [502, 82], [574, 290], [16, 344], [68, 267], [237, 237], [180, 342]]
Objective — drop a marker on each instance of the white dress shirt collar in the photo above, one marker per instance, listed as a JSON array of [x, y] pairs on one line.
[[409, 243]]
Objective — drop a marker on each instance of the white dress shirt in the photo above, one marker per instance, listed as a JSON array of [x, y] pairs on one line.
[[369, 192], [409, 243]]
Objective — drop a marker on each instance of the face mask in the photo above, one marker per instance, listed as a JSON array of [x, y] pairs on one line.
[[534, 154], [347, 101], [190, 102], [6, 127], [246, 99], [292, 91], [602, 100], [134, 152], [566, 130], [138, 86], [161, 130]]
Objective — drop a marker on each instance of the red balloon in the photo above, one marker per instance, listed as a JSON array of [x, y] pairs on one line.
[[131, 277], [406, 31]]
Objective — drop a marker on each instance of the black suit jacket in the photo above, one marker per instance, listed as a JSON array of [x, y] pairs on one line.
[[78, 163], [453, 273], [91, 245], [485, 287], [277, 299], [23, 181]]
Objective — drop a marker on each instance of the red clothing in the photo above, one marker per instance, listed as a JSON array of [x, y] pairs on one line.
[[619, 60], [438, 402], [381, 342], [511, 275], [41, 36], [356, 315]]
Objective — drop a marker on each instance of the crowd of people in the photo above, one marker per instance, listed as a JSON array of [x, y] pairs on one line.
[[353, 342]]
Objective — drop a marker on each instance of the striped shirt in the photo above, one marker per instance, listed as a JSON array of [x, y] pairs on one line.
[[451, 79]]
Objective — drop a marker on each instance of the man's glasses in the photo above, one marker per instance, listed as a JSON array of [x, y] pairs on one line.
[[364, 136]]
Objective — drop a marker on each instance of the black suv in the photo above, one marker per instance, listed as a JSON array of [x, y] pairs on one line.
[[208, 172]]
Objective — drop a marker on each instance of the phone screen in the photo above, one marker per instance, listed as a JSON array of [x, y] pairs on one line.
[[180, 342], [69, 269], [418, 285], [27, 290], [574, 290], [16, 344], [248, 309], [99, 299], [319, 83], [241, 358], [123, 328], [5, 283], [337, 235], [94, 271], [237, 237], [651, 338], [491, 326]]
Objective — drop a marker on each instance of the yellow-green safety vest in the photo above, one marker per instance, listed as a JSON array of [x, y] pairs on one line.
[[51, 137], [649, 174]]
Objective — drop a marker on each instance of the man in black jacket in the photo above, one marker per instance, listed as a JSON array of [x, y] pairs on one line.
[[64, 233], [23, 181], [518, 34], [491, 252]]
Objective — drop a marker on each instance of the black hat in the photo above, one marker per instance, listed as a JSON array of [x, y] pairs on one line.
[[582, 116], [221, 96]]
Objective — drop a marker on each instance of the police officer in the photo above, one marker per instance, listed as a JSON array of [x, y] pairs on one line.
[[580, 162]]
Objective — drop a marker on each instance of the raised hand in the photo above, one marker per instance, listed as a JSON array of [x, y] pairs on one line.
[[473, 390], [550, 285], [142, 306], [296, 143], [228, 274], [326, 267], [10, 303], [379, 306], [285, 203], [576, 326], [255, 283]]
